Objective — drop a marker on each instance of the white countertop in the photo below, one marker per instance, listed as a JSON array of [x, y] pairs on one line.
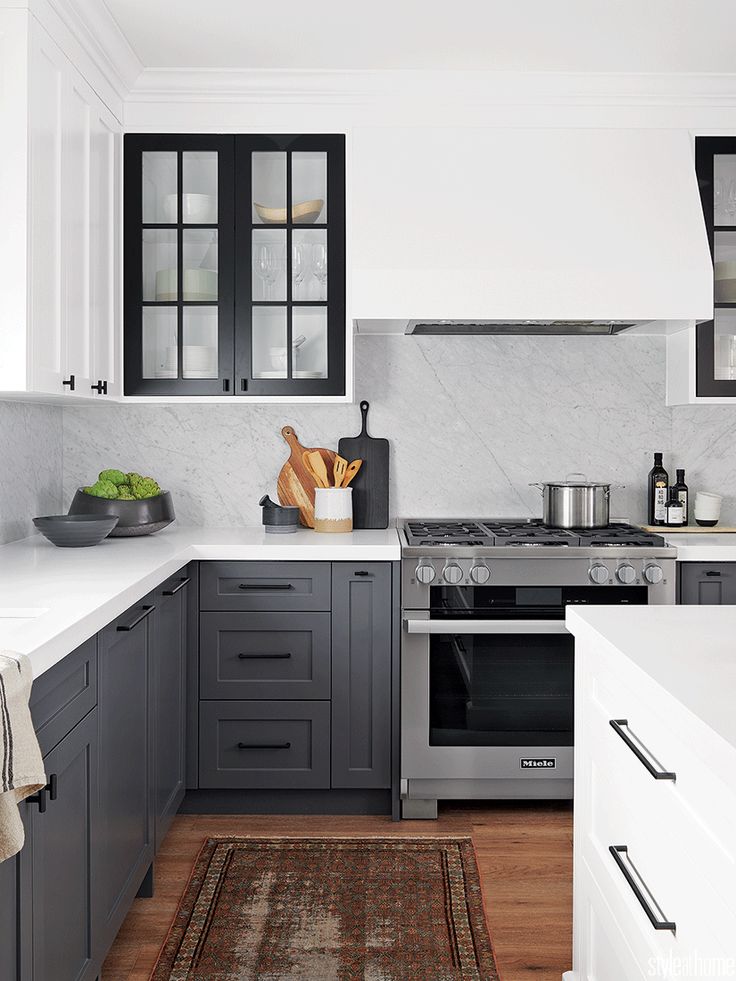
[[703, 548], [80, 590], [689, 650]]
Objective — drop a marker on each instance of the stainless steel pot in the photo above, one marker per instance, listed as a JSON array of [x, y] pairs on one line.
[[575, 502]]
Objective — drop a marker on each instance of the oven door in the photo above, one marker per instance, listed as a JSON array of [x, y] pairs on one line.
[[487, 707]]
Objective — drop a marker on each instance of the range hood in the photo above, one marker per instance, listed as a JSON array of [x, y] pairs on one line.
[[480, 230]]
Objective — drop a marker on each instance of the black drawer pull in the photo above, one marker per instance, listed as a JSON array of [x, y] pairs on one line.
[[266, 585], [175, 590], [362, 572], [272, 657], [640, 889], [264, 745], [40, 796], [617, 726], [712, 572], [141, 616]]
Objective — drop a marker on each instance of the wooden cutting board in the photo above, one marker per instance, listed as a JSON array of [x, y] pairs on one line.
[[689, 530], [370, 486], [295, 484]]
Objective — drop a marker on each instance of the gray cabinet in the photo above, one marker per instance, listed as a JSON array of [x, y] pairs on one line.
[[707, 583], [361, 675], [168, 689], [265, 586], [125, 825], [9, 920]]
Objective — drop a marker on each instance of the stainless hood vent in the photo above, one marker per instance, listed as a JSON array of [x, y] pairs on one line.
[[553, 328]]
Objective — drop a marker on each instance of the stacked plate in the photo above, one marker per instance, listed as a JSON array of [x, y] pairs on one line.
[[199, 361]]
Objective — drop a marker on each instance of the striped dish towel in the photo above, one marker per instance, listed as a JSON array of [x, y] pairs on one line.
[[21, 766]]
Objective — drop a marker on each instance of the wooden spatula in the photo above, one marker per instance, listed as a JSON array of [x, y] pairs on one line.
[[351, 471], [341, 465], [317, 466]]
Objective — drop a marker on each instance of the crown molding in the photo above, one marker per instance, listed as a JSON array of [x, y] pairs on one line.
[[474, 88]]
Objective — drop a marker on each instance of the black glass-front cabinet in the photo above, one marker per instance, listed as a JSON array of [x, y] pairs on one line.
[[234, 265], [715, 349]]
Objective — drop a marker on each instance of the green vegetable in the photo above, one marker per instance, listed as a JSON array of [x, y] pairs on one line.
[[116, 477], [102, 488], [125, 493], [143, 487]]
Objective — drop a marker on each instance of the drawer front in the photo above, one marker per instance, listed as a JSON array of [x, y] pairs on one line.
[[265, 586], [264, 745], [63, 695], [264, 655]]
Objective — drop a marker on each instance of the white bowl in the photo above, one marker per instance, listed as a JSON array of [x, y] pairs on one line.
[[199, 284], [196, 209]]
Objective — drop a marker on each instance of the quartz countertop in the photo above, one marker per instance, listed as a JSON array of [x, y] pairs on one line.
[[703, 548], [689, 650], [53, 599]]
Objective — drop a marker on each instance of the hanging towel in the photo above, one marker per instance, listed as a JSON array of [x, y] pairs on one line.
[[21, 766]]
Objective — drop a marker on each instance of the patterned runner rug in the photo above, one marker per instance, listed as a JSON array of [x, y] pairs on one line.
[[318, 909]]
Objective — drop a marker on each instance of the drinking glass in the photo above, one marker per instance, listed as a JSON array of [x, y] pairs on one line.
[[267, 268], [319, 267], [299, 266]]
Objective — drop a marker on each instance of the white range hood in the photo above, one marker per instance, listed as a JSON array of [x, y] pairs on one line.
[[475, 230]]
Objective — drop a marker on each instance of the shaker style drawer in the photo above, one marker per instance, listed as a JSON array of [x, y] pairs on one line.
[[63, 695], [264, 655], [265, 586], [264, 745]]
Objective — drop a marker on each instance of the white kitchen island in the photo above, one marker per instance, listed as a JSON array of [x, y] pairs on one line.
[[655, 793]]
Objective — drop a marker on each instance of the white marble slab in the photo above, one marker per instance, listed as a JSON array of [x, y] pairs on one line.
[[30, 466], [704, 548]]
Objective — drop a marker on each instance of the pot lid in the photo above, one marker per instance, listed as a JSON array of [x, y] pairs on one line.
[[571, 482]]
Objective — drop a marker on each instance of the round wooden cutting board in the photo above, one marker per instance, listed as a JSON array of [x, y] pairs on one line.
[[296, 484]]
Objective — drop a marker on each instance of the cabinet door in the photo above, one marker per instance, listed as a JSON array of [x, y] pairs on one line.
[[62, 858], [361, 675], [168, 663], [9, 920], [707, 583], [179, 265], [290, 283], [125, 820]]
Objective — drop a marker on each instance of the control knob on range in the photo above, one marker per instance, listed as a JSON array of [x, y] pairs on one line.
[[480, 573], [626, 573], [653, 574], [452, 573], [425, 573], [598, 574]]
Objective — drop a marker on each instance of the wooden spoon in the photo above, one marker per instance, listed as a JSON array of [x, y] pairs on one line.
[[351, 471], [341, 465], [318, 468]]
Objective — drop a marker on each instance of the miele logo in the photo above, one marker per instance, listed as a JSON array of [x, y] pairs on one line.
[[538, 763]]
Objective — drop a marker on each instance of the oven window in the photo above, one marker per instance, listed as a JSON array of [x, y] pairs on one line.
[[501, 690]]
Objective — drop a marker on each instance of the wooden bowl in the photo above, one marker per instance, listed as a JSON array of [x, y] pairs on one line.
[[304, 213]]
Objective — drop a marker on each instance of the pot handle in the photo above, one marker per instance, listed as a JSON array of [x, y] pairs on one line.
[[577, 474], [533, 484]]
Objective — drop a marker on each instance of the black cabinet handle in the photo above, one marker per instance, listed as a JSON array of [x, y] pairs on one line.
[[266, 585], [273, 657], [631, 874], [40, 796], [182, 583], [264, 745], [100, 387], [617, 726], [362, 572], [712, 572], [69, 381], [137, 620]]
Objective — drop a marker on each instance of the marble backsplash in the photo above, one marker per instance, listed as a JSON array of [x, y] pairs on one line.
[[30, 466], [471, 422]]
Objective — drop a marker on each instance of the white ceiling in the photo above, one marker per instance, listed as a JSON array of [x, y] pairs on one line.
[[513, 35]]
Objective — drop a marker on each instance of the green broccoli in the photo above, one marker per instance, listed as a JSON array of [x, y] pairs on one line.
[[116, 477], [144, 487], [102, 488]]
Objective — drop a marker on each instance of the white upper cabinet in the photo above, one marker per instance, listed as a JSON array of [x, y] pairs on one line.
[[62, 190]]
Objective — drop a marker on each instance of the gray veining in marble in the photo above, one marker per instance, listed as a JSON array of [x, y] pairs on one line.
[[471, 422], [30, 466]]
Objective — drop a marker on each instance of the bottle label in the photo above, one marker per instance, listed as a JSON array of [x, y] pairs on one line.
[[660, 502], [675, 514], [682, 495]]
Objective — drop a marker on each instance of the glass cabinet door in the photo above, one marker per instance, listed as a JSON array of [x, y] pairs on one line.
[[715, 161], [179, 256], [290, 301]]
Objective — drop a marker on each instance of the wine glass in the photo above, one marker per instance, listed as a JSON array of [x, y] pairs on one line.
[[319, 267], [267, 268], [299, 265]]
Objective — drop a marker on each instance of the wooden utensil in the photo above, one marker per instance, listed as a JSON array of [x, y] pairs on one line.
[[351, 471], [341, 465], [370, 491], [295, 483], [316, 465]]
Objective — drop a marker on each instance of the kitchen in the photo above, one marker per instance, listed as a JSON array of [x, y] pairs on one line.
[[579, 202]]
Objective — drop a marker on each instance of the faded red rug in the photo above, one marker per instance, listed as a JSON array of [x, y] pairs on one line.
[[384, 909]]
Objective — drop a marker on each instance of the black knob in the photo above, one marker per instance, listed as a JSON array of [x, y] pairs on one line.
[[100, 387], [69, 381]]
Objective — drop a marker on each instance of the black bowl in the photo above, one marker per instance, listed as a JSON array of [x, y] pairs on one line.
[[76, 530], [135, 517]]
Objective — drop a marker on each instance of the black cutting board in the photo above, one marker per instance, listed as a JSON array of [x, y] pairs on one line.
[[370, 484]]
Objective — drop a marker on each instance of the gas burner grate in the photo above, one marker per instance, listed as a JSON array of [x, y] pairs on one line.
[[524, 533]]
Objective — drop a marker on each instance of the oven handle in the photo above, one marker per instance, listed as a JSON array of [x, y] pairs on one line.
[[485, 626]]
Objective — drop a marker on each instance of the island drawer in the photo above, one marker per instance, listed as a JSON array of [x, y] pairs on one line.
[[264, 745], [265, 586], [264, 655], [63, 695]]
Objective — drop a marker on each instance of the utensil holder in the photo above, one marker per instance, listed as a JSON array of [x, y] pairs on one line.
[[333, 509]]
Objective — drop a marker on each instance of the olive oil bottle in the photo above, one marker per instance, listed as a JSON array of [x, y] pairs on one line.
[[658, 489]]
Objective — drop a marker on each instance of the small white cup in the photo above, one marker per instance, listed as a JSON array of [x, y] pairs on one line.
[[707, 508], [333, 509]]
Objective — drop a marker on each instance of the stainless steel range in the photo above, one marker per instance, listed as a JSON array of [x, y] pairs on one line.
[[487, 663]]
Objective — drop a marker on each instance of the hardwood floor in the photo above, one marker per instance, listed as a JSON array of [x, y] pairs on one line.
[[524, 855]]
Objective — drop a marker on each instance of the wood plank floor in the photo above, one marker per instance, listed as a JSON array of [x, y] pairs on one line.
[[524, 855]]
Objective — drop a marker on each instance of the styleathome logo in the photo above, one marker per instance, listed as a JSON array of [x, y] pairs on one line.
[[691, 966], [538, 763]]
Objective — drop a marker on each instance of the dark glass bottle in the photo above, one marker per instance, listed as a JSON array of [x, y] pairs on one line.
[[674, 512], [681, 491], [658, 490]]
